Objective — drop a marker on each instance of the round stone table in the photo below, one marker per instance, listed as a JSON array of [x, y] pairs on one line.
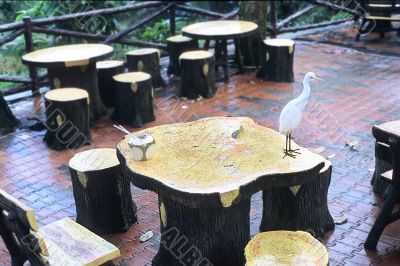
[[73, 66], [221, 31], [204, 173]]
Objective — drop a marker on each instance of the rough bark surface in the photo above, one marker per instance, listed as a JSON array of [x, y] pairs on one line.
[[175, 49], [277, 63], [306, 210], [134, 108], [7, 119], [383, 163], [103, 200], [148, 63], [82, 77], [107, 84], [191, 242], [252, 47], [198, 78], [67, 124]]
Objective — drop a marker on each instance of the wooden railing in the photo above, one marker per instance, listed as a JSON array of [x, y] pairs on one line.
[[28, 26]]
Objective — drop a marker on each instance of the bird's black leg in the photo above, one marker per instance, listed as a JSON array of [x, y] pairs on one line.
[[287, 151], [290, 146]]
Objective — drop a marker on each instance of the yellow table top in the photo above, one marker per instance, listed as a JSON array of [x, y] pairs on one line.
[[282, 248], [68, 55], [203, 157], [220, 29]]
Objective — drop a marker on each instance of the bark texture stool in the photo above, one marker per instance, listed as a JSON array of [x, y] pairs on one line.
[[105, 72], [134, 99], [285, 248], [67, 118], [101, 191], [302, 207], [383, 155], [278, 62], [146, 60], [198, 74], [177, 45]]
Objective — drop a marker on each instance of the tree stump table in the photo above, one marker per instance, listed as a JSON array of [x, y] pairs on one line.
[[67, 118], [285, 248], [221, 31], [383, 155], [177, 45], [102, 193], [300, 207], [73, 66], [146, 60], [105, 72], [198, 75], [205, 173], [278, 62], [134, 99]]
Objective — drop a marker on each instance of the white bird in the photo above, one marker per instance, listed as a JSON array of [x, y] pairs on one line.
[[292, 112]]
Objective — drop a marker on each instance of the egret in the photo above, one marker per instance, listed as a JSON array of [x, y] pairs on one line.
[[291, 114]]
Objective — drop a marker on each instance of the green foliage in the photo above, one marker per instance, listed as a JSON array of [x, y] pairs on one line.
[[157, 32]]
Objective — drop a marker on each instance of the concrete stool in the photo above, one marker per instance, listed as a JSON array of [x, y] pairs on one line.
[[134, 99], [198, 74], [146, 60], [277, 65], [67, 118], [102, 193], [105, 72], [177, 45], [285, 248]]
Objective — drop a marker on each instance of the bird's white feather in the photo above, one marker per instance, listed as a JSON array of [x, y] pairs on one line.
[[292, 112]]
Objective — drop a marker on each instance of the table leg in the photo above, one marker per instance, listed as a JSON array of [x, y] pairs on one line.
[[303, 207], [82, 77], [206, 45], [239, 57], [199, 236], [225, 60]]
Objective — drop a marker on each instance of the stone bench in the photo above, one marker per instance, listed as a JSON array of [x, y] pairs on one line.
[[63, 242]]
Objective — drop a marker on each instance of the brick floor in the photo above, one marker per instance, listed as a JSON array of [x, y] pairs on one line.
[[360, 89]]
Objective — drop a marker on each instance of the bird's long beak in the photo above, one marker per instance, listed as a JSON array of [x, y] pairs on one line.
[[317, 78]]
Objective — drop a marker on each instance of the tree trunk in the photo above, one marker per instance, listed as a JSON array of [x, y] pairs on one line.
[[105, 72], [252, 47], [302, 207], [103, 199], [383, 163], [146, 60], [67, 119], [7, 118], [198, 74], [277, 62], [176, 46], [216, 235], [82, 77], [134, 99]]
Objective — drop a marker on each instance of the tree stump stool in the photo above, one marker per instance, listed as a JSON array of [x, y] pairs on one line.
[[383, 155], [278, 62], [67, 118], [105, 72], [134, 99], [146, 60], [7, 118], [302, 207], [102, 193], [198, 74], [177, 45], [285, 248]]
